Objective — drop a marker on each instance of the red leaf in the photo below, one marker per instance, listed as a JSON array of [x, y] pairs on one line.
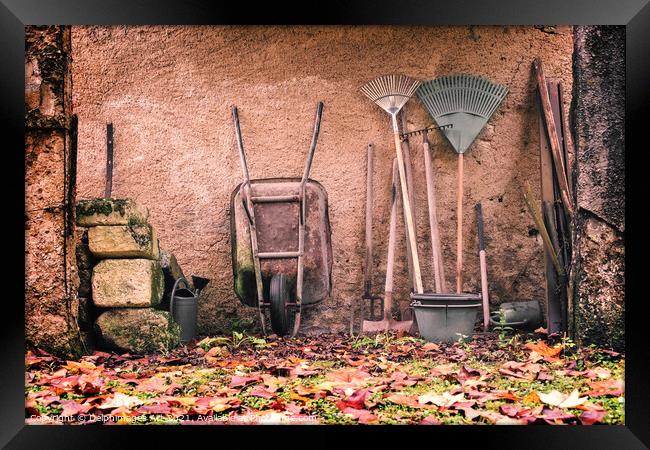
[[259, 391], [356, 400], [430, 420], [70, 408], [153, 384], [362, 415], [612, 387], [591, 417], [238, 381], [161, 408], [406, 400], [545, 376]]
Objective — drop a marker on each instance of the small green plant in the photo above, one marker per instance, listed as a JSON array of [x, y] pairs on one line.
[[569, 347], [503, 330], [236, 340], [462, 342]]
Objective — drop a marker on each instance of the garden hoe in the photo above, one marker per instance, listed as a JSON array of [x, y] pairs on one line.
[[467, 102], [387, 323]]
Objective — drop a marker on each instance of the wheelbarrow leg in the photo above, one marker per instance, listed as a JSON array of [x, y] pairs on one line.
[[256, 260], [302, 214]]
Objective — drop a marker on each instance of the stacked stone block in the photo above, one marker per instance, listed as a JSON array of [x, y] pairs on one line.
[[123, 275]]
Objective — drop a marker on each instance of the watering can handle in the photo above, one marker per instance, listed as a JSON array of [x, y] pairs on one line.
[[495, 323], [171, 300]]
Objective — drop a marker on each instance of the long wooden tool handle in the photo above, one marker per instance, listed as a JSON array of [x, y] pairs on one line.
[[438, 270], [483, 262], [547, 113], [391, 245], [409, 183], [459, 227], [407, 207], [367, 274]]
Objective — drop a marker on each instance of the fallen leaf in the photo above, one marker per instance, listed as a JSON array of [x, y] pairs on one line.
[[591, 417], [545, 376], [445, 400], [531, 397], [405, 400], [430, 420], [556, 398], [612, 387], [356, 400], [543, 349], [430, 346], [362, 415], [154, 409], [70, 408], [238, 381], [598, 372], [259, 391], [119, 400]]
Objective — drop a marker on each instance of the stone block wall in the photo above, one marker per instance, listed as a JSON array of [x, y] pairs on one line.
[[123, 281]]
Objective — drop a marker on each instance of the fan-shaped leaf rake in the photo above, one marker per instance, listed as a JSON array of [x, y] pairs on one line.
[[467, 102], [391, 92]]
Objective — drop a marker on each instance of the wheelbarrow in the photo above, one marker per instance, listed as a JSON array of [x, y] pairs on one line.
[[281, 242]]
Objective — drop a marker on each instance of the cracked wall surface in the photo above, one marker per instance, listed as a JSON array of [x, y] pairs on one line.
[[599, 115], [50, 269], [168, 92]]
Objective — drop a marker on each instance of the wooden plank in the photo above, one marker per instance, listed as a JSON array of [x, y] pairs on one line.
[[568, 140], [551, 131], [551, 286]]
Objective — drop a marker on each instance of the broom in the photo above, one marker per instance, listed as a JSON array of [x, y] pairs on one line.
[[390, 93], [467, 102]]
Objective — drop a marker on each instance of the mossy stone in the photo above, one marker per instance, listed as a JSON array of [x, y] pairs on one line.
[[139, 331], [109, 211]]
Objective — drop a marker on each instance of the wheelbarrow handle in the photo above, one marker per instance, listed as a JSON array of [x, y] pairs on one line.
[[240, 145], [171, 300], [312, 148]]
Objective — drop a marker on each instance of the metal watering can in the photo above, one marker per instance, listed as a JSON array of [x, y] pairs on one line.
[[183, 306]]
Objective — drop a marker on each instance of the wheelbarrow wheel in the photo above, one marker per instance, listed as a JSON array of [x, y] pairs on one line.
[[280, 317]]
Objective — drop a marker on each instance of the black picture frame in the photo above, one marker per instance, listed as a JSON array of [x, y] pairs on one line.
[[15, 14]]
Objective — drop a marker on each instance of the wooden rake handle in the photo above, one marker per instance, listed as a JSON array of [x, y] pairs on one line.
[[407, 207], [459, 225]]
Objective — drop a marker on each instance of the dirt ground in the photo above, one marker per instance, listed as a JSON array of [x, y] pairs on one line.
[[168, 92]]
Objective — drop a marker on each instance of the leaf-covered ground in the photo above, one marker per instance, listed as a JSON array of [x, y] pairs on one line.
[[333, 379]]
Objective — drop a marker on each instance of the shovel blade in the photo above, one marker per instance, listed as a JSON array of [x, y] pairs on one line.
[[373, 326]]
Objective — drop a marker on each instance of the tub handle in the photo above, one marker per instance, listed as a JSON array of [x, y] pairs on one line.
[[171, 300], [495, 323]]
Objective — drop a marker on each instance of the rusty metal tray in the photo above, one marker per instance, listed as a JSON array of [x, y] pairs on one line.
[[277, 231]]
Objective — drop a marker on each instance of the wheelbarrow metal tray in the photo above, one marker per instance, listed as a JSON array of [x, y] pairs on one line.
[[277, 231]]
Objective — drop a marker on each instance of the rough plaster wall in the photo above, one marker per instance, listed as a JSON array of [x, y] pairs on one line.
[[168, 91], [50, 270], [599, 115]]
